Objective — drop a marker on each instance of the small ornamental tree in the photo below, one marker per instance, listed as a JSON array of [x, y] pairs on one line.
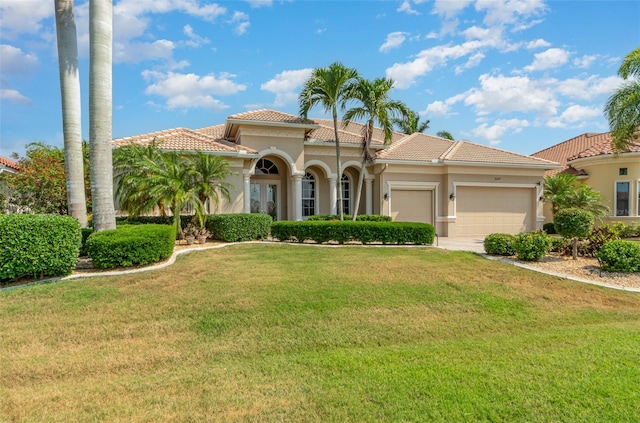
[[574, 223]]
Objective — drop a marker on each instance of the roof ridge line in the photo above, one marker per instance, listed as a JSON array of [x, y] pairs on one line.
[[455, 145]]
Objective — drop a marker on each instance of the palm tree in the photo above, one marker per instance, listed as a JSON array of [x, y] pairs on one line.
[[70, 94], [410, 124], [563, 191], [623, 107], [208, 180], [375, 106], [557, 188], [327, 87], [445, 134], [100, 113]]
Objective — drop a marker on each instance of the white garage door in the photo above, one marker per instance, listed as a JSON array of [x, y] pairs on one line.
[[484, 210], [412, 205]]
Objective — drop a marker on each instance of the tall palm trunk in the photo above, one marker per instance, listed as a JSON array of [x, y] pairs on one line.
[[366, 158], [71, 118], [338, 163], [100, 113]]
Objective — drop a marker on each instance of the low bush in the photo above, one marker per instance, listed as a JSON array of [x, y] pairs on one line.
[[549, 228], [560, 245], [131, 245], [620, 256], [86, 232], [37, 245], [500, 244], [532, 246], [360, 217], [600, 236], [631, 230], [239, 227], [345, 231]]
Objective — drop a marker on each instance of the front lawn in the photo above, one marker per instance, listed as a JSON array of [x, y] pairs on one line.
[[298, 333]]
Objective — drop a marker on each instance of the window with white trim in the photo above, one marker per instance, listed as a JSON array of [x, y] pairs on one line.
[[308, 195], [622, 198], [266, 167], [345, 184]]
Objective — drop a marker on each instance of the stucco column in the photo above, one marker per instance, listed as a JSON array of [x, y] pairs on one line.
[[247, 191], [369, 193], [333, 196], [297, 197]]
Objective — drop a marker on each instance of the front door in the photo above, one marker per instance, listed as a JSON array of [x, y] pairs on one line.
[[265, 198]]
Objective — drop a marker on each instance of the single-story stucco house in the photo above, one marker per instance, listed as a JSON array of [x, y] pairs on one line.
[[592, 159], [8, 165], [286, 166]]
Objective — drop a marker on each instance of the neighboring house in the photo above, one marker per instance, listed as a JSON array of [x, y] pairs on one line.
[[8, 165], [591, 158], [286, 167]]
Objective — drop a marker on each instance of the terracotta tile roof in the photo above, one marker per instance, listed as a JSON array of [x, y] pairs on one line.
[[585, 145], [183, 139], [216, 131], [266, 115], [9, 163], [326, 133], [356, 128], [428, 148]]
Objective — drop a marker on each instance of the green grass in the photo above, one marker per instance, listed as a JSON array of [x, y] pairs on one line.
[[293, 333]]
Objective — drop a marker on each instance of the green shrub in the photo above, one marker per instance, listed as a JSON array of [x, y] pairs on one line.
[[500, 244], [620, 256], [574, 223], [549, 228], [239, 227], [344, 231], [360, 217], [532, 246], [629, 231], [560, 245], [131, 245], [153, 220], [598, 238], [38, 245]]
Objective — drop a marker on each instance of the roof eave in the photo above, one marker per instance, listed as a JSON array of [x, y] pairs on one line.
[[235, 121]]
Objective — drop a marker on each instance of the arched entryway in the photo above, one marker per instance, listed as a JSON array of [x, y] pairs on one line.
[[268, 187]]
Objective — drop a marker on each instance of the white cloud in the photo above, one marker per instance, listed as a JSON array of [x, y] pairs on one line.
[[473, 61], [285, 84], [514, 12], [449, 8], [575, 116], [14, 96], [195, 39], [585, 61], [509, 94], [585, 88], [437, 109], [260, 3], [24, 16], [500, 127], [551, 58], [188, 90], [404, 74], [15, 61], [405, 7], [539, 43], [139, 52], [209, 11], [394, 40], [242, 22]]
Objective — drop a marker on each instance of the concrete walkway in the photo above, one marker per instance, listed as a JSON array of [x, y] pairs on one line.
[[473, 244]]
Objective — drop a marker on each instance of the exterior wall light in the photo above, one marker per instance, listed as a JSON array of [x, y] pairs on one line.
[[452, 196], [386, 196]]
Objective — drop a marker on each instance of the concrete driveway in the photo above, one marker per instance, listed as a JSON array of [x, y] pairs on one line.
[[475, 245]]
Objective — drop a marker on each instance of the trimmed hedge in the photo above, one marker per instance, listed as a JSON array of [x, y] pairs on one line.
[[532, 246], [131, 245], [344, 231], [360, 217], [500, 244], [239, 226], [620, 256], [36, 245]]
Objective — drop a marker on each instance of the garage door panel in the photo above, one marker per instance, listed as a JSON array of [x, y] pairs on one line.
[[484, 210], [412, 205]]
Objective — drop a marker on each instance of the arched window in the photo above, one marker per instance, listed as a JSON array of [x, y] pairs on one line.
[[266, 167], [308, 195], [345, 183]]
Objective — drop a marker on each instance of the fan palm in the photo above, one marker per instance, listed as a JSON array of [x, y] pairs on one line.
[[327, 87], [375, 107], [623, 107]]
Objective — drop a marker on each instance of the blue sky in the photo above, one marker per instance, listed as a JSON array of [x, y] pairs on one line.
[[520, 75]]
